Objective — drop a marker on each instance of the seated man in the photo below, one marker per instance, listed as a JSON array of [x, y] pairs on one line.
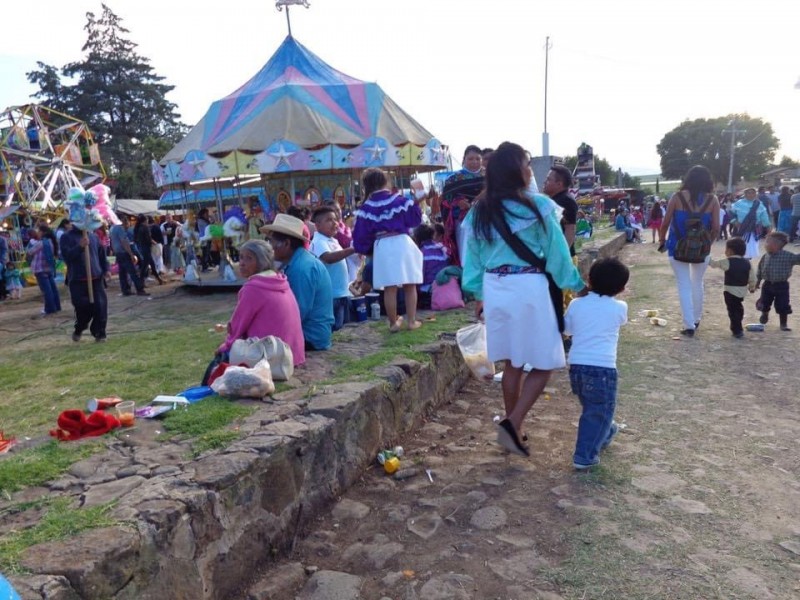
[[308, 278], [621, 223]]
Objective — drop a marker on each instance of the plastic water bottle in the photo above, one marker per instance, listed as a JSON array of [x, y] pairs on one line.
[[375, 311], [384, 455]]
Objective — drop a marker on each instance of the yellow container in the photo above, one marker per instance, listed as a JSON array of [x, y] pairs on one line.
[[390, 465]]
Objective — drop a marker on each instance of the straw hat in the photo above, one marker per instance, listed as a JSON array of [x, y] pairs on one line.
[[287, 225]]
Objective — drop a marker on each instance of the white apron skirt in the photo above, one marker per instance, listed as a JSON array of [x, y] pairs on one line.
[[521, 322], [752, 247], [396, 260]]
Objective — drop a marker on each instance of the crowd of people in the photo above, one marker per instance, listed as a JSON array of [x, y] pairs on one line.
[[510, 247]]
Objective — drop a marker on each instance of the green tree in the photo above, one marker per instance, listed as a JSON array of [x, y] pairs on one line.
[[708, 142], [117, 93]]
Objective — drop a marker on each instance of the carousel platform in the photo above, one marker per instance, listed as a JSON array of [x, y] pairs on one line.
[[213, 282]]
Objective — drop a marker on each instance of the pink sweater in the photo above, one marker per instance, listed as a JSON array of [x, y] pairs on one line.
[[267, 306]]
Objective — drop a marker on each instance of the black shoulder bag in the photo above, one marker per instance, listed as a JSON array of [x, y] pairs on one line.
[[526, 254]]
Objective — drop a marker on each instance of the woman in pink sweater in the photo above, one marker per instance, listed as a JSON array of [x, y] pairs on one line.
[[266, 304]]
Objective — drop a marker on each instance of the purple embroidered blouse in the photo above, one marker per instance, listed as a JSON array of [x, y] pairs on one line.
[[383, 212]]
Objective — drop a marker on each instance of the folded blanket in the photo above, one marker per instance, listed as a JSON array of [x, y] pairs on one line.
[[443, 276], [74, 425]]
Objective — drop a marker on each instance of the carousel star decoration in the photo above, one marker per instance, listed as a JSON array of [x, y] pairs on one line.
[[197, 161], [283, 157], [376, 151]]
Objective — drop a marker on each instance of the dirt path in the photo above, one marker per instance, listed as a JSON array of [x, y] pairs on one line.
[[698, 499]]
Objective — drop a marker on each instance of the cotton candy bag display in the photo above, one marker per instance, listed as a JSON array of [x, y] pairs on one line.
[[471, 341]]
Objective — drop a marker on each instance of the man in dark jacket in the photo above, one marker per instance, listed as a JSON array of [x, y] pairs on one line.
[[92, 315]]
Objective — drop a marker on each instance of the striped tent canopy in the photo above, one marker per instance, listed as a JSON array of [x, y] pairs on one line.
[[300, 114]]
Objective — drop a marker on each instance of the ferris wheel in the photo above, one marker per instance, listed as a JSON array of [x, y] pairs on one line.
[[44, 153]]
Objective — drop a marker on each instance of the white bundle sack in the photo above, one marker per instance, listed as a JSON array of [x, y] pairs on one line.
[[274, 349], [245, 382]]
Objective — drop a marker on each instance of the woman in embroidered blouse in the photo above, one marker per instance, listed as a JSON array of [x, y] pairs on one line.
[[383, 223], [513, 295], [458, 195]]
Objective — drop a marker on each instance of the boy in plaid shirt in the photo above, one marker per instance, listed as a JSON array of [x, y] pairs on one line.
[[774, 269]]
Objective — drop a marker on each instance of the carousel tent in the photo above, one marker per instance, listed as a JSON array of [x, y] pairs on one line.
[[300, 114]]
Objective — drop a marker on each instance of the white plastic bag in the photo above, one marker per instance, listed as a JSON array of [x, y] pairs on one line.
[[274, 349], [244, 382], [471, 341]]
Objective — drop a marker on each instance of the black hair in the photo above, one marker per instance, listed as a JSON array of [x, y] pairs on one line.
[[373, 180], [423, 233], [298, 212], [472, 148], [564, 174], [780, 236], [439, 228], [608, 276], [698, 180], [504, 181], [294, 242], [736, 245], [45, 230], [486, 151], [323, 210]]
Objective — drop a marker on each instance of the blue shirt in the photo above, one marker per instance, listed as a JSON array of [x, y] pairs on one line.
[[548, 243], [311, 286], [117, 234]]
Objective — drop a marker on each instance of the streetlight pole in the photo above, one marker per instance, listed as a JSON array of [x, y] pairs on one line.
[[545, 135], [733, 131]]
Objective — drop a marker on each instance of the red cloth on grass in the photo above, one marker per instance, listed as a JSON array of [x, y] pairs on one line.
[[74, 425]]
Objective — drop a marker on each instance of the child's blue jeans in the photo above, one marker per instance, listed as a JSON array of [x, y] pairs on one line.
[[596, 387]]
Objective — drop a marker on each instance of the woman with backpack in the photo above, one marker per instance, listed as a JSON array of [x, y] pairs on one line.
[[692, 221]]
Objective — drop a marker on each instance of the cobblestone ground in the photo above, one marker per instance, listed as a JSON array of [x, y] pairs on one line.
[[696, 499]]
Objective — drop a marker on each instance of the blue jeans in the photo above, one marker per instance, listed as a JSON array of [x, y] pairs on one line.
[[341, 309], [47, 283], [596, 387], [128, 270]]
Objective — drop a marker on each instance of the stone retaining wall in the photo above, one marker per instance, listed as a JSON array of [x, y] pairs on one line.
[[203, 529], [594, 250]]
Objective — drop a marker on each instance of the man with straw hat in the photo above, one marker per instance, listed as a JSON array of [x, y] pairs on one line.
[[308, 278]]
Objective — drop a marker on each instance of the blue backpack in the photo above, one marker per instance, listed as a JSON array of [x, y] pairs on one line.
[[694, 242]]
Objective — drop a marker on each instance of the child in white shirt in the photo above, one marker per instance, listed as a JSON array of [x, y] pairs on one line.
[[594, 322], [326, 247]]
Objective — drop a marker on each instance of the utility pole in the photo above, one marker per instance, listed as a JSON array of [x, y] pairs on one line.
[[545, 135], [733, 131]]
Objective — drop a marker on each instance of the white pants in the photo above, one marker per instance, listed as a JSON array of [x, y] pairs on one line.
[[689, 277]]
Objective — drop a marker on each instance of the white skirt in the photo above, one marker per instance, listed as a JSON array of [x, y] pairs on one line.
[[752, 247], [521, 322], [396, 260]]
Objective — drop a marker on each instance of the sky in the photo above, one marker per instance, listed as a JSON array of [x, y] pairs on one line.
[[621, 73]]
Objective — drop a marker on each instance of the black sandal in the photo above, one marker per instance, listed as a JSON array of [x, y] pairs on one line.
[[507, 437]]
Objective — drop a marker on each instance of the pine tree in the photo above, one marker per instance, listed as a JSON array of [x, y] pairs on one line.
[[120, 97]]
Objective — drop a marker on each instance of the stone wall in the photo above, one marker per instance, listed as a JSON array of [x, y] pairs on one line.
[[202, 530], [593, 250]]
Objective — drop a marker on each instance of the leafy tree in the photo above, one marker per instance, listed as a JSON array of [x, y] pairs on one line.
[[787, 161], [117, 93], [708, 142]]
